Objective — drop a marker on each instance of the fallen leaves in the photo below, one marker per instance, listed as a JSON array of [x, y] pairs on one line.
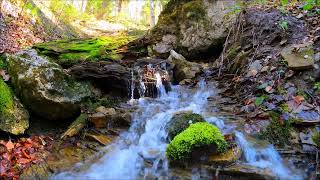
[[298, 99], [18, 155]]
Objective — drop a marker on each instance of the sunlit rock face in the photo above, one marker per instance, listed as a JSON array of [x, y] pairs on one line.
[[44, 87], [196, 29]]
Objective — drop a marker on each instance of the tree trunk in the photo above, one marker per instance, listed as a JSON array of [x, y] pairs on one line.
[[102, 11], [83, 5], [119, 6], [152, 16]]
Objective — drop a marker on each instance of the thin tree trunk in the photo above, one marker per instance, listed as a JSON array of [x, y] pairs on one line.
[[119, 6], [152, 16]]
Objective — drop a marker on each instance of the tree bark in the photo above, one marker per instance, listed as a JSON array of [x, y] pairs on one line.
[[119, 6], [152, 16]]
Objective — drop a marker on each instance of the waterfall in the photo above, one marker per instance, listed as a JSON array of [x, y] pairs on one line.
[[265, 158]]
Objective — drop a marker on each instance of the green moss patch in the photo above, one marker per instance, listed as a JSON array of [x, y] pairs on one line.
[[201, 134], [70, 52], [277, 132], [6, 98]]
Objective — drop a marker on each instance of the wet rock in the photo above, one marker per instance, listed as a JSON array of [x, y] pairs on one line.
[[101, 138], [247, 172], [183, 69], [106, 111], [301, 59], [102, 117], [122, 118], [13, 116], [308, 145], [110, 77], [181, 121], [147, 73], [44, 87], [229, 157], [99, 120]]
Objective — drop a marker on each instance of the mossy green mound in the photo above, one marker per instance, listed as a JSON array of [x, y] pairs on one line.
[[181, 122], [6, 98], [201, 134], [70, 52], [13, 117]]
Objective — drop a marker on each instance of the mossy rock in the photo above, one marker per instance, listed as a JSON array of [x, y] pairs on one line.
[[180, 122], [277, 132], [13, 117], [70, 52], [44, 87], [200, 136], [316, 138]]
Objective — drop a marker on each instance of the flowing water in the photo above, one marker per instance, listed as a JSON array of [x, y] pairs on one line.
[[139, 153]]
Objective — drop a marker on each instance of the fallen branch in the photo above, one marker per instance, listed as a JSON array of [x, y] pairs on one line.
[[76, 126]]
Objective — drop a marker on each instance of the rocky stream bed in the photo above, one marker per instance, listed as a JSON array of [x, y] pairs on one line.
[[209, 93]]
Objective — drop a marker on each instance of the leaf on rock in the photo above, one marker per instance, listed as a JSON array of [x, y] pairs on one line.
[[259, 100], [298, 99]]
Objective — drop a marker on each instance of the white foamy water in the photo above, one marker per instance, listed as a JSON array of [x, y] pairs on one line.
[[139, 153], [266, 157]]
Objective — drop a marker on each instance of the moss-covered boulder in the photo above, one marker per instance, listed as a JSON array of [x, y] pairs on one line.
[[13, 117], [70, 52], [194, 28], [44, 87], [199, 137], [180, 122]]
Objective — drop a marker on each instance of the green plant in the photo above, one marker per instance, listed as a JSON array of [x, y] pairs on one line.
[[201, 134], [278, 131], [316, 86], [259, 100], [284, 25]]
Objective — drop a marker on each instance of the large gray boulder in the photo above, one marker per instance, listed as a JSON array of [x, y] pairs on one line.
[[44, 87], [190, 27]]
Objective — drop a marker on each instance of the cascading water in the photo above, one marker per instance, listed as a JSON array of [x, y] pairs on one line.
[[139, 153], [265, 158]]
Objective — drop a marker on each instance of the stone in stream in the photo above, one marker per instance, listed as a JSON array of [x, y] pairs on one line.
[[181, 121], [227, 158], [43, 86], [199, 140], [102, 116], [105, 117], [183, 69], [14, 118], [301, 59], [245, 172]]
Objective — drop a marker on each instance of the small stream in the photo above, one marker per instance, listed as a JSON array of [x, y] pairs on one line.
[[139, 153]]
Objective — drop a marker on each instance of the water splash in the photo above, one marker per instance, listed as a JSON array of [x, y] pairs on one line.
[[140, 152], [265, 158]]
